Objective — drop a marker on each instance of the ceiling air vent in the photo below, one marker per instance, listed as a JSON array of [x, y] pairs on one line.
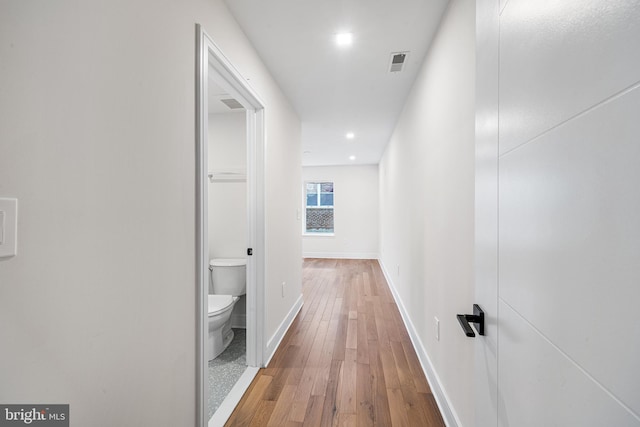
[[231, 103], [398, 60]]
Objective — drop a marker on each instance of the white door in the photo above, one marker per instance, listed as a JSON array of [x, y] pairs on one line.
[[558, 212]]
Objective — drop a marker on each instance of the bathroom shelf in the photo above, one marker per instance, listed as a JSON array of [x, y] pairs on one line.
[[228, 175]]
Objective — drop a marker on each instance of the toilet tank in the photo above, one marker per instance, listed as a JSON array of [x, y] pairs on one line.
[[229, 276]]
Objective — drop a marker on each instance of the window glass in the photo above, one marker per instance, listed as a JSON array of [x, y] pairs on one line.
[[326, 194], [326, 187], [326, 199], [312, 194]]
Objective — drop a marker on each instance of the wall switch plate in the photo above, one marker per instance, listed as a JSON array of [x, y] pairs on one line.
[[8, 227], [437, 328]]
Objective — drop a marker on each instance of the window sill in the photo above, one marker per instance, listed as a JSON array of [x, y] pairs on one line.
[[318, 234]]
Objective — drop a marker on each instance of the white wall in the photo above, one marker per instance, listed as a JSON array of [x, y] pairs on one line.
[[355, 212], [97, 141], [227, 199], [427, 208]]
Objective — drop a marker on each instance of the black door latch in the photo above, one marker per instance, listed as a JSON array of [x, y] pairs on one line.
[[477, 317]]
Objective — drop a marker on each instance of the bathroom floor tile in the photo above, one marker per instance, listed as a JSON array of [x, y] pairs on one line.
[[226, 369]]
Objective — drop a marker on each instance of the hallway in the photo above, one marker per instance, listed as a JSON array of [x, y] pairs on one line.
[[346, 360]]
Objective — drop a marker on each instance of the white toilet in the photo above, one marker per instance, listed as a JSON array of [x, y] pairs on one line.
[[228, 283]]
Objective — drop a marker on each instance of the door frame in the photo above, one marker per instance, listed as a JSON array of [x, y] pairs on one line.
[[486, 393], [210, 56]]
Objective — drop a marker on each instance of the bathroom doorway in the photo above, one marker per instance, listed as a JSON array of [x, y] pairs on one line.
[[230, 209]]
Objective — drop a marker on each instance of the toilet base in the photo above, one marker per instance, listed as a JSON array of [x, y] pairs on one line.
[[218, 342], [220, 337]]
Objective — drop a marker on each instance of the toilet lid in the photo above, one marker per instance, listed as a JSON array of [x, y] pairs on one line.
[[218, 303], [227, 262]]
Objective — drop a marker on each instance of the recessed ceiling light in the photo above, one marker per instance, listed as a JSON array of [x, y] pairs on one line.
[[352, 157], [344, 39], [350, 135]]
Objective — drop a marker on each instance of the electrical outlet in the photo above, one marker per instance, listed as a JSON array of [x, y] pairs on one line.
[[437, 328], [283, 286]]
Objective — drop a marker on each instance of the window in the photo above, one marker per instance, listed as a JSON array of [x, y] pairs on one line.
[[319, 207]]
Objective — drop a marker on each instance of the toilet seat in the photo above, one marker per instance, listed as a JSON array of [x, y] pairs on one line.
[[219, 303], [227, 262]]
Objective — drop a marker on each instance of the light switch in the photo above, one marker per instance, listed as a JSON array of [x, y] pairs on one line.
[[8, 227]]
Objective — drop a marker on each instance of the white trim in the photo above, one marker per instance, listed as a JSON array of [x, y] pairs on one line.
[[221, 416], [226, 75], [449, 415], [201, 230], [276, 339], [256, 134], [341, 255]]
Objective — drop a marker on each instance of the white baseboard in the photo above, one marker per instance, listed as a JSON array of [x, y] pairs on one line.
[[220, 417], [275, 340], [341, 255], [444, 404]]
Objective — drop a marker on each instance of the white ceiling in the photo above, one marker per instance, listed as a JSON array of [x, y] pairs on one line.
[[335, 89], [215, 95]]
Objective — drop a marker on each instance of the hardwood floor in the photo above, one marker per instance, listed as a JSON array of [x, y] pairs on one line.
[[346, 360]]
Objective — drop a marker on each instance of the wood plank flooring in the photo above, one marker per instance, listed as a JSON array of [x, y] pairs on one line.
[[346, 360]]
